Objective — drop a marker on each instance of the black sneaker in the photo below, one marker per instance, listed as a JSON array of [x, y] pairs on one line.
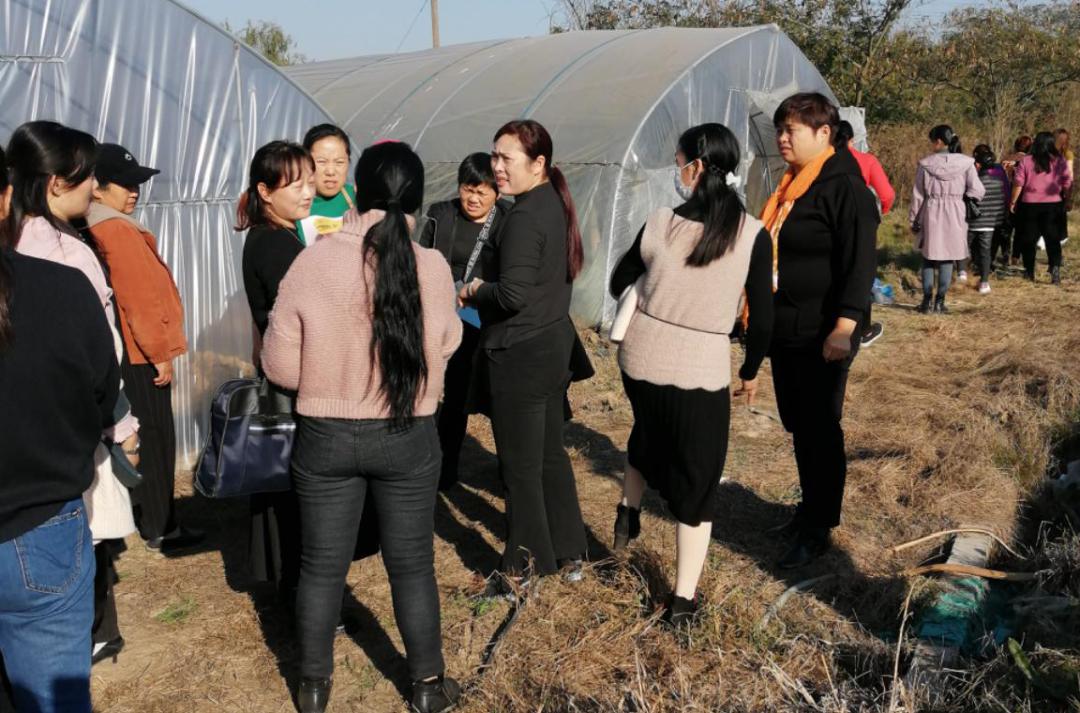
[[436, 696], [179, 539], [313, 695], [871, 335]]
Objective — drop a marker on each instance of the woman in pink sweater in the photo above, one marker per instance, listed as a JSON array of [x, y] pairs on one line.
[[1041, 183], [362, 328]]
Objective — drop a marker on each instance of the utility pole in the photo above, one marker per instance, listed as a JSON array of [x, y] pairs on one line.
[[434, 23]]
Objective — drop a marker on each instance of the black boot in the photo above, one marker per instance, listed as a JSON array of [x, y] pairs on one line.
[[681, 612], [314, 695], [436, 696], [924, 306], [939, 305], [811, 543], [1055, 275], [627, 525]]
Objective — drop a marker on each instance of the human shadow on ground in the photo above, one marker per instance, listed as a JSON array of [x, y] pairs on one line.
[[740, 524]]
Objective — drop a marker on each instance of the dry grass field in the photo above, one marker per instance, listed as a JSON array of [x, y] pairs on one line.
[[950, 420]]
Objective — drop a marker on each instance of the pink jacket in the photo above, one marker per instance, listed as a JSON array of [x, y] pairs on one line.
[[318, 341], [41, 240], [937, 204], [1042, 187]]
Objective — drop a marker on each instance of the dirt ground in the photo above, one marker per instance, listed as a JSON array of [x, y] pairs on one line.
[[928, 449]]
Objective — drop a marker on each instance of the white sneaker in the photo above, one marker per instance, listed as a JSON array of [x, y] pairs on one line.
[[984, 288], [963, 276]]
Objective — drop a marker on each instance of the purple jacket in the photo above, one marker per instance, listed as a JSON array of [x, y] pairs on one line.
[[937, 204]]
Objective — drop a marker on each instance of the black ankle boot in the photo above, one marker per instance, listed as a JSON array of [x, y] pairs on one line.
[[627, 525], [1055, 275], [924, 306], [436, 696], [939, 305], [314, 695], [681, 612], [811, 543]]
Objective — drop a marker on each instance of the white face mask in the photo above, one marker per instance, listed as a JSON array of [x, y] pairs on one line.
[[685, 192]]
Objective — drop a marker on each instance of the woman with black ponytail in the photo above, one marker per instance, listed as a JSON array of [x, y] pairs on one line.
[[527, 339], [691, 266], [363, 327], [943, 182]]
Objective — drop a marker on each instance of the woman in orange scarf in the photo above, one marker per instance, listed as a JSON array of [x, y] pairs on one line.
[[823, 222]]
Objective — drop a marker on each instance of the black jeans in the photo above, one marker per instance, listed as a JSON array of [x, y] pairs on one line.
[[979, 243], [810, 398], [453, 421], [528, 389], [336, 464], [1035, 220]]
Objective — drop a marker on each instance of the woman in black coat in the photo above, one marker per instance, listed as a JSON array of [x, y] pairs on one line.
[[823, 221], [527, 340], [280, 193], [463, 230]]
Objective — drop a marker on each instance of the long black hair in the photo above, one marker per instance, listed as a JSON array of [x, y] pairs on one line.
[[1043, 151], [390, 177], [275, 164], [945, 134], [7, 287], [718, 150], [39, 150]]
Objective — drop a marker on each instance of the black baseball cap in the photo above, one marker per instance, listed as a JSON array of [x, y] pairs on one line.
[[115, 164]]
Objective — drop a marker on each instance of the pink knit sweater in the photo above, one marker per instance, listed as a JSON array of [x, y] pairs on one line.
[[320, 334]]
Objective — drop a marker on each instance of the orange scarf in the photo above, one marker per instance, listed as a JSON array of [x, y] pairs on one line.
[[793, 186]]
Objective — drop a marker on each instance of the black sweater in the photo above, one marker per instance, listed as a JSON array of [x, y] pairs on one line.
[[533, 290], [827, 256], [269, 251], [59, 382], [758, 289]]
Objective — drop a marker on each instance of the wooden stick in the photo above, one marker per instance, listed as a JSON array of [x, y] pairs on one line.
[[942, 533], [970, 571]]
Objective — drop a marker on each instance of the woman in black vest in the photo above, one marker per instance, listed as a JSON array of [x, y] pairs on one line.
[[527, 340], [454, 228]]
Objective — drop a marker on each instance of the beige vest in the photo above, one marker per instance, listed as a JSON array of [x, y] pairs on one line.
[[679, 335]]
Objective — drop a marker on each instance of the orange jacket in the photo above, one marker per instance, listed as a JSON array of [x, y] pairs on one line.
[[151, 316]]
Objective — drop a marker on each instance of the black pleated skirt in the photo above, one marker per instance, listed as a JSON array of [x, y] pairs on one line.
[[679, 444]]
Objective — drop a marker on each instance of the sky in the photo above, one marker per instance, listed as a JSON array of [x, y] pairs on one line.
[[331, 29]]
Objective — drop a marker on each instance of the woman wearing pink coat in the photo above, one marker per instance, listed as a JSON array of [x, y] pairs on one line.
[[938, 215]]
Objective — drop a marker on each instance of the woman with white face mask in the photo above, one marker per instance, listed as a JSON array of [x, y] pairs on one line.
[[691, 266]]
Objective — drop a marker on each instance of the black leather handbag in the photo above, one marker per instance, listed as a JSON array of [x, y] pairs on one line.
[[249, 442]]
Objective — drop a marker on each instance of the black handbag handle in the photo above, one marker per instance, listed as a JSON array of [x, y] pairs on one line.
[[273, 401]]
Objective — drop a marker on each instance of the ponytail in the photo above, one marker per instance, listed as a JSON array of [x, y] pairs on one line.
[[718, 150], [390, 177], [945, 134], [575, 255]]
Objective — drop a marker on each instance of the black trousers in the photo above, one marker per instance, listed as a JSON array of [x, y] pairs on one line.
[[1035, 220], [155, 512], [810, 398], [106, 627], [337, 464], [453, 420], [528, 384]]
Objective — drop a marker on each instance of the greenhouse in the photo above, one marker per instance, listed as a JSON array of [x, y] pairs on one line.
[[184, 97], [615, 103]]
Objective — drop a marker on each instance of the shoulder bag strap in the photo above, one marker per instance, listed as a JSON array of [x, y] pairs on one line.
[[481, 239]]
